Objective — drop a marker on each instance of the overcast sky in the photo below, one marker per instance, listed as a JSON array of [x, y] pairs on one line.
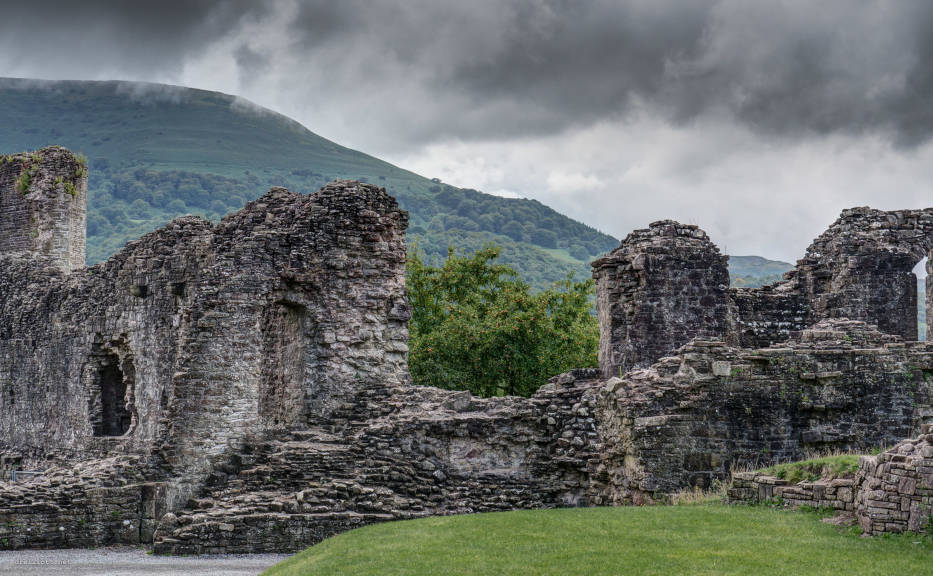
[[758, 121]]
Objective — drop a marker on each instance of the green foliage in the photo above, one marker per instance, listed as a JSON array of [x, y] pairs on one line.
[[702, 540], [476, 326], [24, 182], [835, 466]]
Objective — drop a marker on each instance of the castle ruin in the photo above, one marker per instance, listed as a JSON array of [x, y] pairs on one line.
[[243, 386]]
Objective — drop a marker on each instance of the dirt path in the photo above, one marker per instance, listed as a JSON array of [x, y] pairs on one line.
[[130, 561]]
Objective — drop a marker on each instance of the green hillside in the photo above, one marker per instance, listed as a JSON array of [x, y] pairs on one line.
[[157, 152], [755, 271]]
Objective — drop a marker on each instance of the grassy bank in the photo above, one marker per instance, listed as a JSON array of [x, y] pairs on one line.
[[662, 540]]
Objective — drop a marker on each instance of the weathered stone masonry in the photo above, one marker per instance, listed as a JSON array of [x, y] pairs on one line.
[[243, 387], [43, 202], [659, 288], [667, 284]]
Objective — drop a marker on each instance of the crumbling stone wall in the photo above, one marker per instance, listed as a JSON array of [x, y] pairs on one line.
[[195, 336], [892, 492], [661, 287], [243, 386], [665, 284], [689, 418], [403, 452], [896, 487], [861, 268]]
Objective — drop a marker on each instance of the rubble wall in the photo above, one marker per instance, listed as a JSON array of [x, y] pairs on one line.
[[896, 487], [694, 415]]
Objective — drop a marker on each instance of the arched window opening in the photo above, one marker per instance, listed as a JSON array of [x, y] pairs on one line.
[[110, 386], [920, 271]]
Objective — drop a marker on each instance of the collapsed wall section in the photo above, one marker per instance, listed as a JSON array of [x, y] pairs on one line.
[[896, 487], [403, 452]]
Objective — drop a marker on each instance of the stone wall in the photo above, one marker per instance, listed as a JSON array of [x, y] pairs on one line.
[[861, 268], [661, 287], [767, 315], [403, 452], [243, 387], [665, 284], [692, 416], [196, 336], [827, 493], [43, 201], [892, 492], [896, 487]]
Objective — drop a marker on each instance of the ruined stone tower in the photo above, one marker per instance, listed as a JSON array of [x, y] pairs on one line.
[[661, 287], [43, 207]]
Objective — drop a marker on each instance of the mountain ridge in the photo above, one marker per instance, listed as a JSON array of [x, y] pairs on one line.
[[160, 151]]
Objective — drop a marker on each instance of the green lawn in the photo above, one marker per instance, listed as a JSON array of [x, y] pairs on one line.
[[662, 540]]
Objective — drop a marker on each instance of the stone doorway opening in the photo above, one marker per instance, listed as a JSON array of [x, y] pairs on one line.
[[920, 271], [110, 381]]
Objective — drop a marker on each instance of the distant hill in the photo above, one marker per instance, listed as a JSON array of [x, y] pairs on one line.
[[157, 152], [755, 271]]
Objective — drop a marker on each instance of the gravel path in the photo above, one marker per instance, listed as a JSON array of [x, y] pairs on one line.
[[130, 561]]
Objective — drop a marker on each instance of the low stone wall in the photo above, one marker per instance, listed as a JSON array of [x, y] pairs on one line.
[[96, 503], [896, 492], [831, 493], [396, 453]]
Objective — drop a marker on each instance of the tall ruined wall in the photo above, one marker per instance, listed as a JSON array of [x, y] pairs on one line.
[[662, 286], [861, 268], [43, 199], [194, 335]]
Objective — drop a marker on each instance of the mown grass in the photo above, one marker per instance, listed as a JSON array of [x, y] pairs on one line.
[[657, 540], [833, 466]]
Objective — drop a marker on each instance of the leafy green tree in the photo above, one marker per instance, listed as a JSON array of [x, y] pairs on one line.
[[477, 326]]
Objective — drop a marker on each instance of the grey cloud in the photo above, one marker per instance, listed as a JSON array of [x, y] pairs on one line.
[[535, 66], [68, 39], [490, 69]]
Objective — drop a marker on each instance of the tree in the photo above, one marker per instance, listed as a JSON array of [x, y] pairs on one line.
[[476, 326], [513, 230], [544, 237]]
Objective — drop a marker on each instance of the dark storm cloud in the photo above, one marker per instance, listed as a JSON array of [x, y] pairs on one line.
[[72, 39], [501, 69]]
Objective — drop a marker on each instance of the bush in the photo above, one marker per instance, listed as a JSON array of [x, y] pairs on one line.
[[476, 326]]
